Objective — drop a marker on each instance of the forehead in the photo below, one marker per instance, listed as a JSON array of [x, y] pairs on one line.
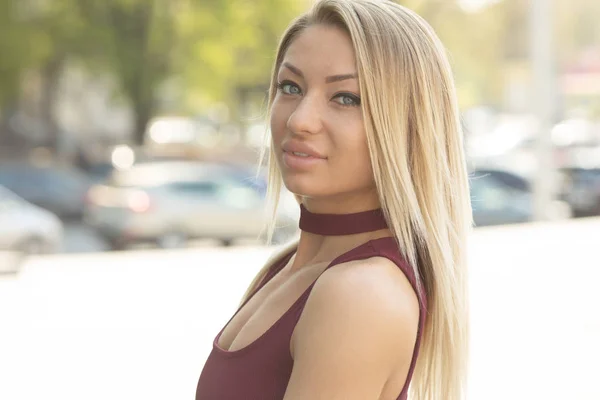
[[322, 49]]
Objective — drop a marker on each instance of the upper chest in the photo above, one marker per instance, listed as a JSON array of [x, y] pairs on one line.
[[267, 306]]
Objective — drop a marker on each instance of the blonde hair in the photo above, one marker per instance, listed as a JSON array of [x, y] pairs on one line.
[[415, 141]]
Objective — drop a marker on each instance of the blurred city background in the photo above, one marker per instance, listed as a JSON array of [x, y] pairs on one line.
[[140, 122], [130, 195]]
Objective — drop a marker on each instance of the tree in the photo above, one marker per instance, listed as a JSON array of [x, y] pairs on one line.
[[134, 40], [223, 51], [14, 57], [37, 37], [231, 49]]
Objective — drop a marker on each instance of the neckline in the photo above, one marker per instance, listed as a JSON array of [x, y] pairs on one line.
[[297, 303], [342, 224]]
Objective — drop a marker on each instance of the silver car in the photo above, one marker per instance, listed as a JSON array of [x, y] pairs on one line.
[[27, 228], [170, 202], [501, 197]]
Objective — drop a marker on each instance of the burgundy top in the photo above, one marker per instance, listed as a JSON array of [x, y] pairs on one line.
[[261, 370]]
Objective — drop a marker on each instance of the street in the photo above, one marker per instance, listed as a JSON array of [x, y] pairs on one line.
[[139, 324], [80, 238]]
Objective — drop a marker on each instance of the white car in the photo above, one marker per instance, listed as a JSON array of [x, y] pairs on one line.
[[169, 202], [27, 228]]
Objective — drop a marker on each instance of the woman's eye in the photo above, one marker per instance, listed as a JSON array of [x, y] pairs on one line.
[[289, 88], [347, 100]]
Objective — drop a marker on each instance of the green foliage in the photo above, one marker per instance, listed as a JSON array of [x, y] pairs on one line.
[[216, 49], [232, 46], [14, 56]]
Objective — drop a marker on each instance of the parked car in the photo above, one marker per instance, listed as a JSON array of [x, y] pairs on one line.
[[57, 189], [27, 228], [500, 197], [101, 168], [98, 172], [170, 202], [581, 190]]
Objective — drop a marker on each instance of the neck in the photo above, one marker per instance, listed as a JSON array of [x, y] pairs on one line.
[[343, 204], [313, 249], [324, 236]]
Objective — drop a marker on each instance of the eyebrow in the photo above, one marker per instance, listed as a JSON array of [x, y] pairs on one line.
[[329, 79]]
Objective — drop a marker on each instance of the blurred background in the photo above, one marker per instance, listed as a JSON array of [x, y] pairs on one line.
[[116, 115], [129, 137]]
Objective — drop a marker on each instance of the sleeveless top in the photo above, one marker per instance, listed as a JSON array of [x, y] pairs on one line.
[[262, 369]]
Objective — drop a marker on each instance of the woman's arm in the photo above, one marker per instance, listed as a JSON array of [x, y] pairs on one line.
[[357, 330]]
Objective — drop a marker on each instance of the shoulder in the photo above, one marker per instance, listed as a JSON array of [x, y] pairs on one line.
[[372, 298], [374, 279], [357, 329], [373, 288]]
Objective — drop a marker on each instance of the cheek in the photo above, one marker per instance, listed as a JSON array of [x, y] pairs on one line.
[[352, 151], [360, 164], [350, 139], [278, 121]]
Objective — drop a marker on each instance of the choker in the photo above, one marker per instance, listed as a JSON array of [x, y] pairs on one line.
[[342, 224]]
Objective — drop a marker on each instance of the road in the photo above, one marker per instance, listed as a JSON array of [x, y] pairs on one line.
[[139, 324], [79, 238]]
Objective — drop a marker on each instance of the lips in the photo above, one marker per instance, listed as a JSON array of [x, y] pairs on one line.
[[299, 156], [301, 150]]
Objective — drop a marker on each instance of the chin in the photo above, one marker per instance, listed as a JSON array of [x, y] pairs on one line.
[[311, 187], [303, 184]]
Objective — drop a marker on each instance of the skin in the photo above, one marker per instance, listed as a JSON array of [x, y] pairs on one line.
[[356, 335], [328, 117]]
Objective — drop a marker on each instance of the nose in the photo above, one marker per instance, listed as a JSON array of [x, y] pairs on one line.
[[306, 118]]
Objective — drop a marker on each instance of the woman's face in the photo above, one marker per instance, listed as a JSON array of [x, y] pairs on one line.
[[317, 123]]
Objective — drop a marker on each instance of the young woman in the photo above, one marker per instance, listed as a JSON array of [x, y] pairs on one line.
[[372, 300]]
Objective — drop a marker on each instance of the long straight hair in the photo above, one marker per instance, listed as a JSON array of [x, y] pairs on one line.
[[415, 142]]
